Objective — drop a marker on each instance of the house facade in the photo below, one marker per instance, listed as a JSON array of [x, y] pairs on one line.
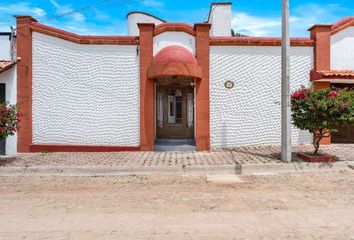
[[168, 81], [8, 80]]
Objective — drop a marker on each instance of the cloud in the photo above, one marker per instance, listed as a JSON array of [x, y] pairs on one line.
[[61, 10], [153, 3], [301, 18], [252, 25], [21, 8]]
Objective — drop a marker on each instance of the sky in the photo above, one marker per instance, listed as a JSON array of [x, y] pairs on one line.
[[108, 17]]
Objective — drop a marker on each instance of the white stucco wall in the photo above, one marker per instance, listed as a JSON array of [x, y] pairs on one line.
[[220, 19], [250, 113], [85, 94], [5, 46], [9, 78], [342, 50], [174, 38], [134, 18]]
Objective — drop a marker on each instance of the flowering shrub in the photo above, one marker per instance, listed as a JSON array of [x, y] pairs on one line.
[[323, 111], [9, 120]]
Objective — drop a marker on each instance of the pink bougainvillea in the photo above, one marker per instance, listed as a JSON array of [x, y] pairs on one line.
[[323, 111], [9, 120]]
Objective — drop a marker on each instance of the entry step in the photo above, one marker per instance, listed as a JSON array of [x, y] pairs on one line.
[[174, 145]]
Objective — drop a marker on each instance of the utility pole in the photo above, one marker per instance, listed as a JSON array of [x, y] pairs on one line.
[[285, 86]]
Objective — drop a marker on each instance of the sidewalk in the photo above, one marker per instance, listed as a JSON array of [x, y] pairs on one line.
[[237, 160], [241, 155]]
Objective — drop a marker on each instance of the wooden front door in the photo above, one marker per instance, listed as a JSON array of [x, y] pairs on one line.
[[344, 134], [174, 109]]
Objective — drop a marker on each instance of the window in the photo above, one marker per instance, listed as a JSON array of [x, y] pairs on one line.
[[175, 106], [190, 109], [160, 110]]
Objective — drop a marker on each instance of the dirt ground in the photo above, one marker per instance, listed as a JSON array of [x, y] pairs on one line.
[[288, 206]]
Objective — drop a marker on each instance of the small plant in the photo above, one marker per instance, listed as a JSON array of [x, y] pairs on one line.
[[9, 120], [321, 112]]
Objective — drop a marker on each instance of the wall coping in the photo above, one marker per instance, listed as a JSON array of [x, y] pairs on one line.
[[259, 41], [80, 39]]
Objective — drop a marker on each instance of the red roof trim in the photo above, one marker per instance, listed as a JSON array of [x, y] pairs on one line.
[[337, 26], [5, 65], [174, 27], [258, 41], [342, 24], [332, 74], [55, 32]]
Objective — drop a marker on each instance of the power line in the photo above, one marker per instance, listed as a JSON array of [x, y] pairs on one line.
[[76, 10], [207, 16], [100, 5], [113, 4], [8, 3]]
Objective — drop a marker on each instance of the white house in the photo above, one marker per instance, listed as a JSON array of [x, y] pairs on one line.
[[168, 80]]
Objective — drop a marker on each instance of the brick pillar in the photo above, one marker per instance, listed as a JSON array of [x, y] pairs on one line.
[[24, 80], [321, 34], [202, 87], [146, 87]]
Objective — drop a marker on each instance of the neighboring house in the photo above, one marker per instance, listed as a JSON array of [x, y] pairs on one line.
[[8, 82], [167, 81]]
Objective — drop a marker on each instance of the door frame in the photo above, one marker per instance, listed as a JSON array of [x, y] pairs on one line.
[[3, 142], [193, 80]]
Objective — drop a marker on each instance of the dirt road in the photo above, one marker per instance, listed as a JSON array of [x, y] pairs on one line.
[[292, 206]]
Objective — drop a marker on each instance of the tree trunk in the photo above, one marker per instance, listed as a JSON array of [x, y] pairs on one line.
[[318, 138]]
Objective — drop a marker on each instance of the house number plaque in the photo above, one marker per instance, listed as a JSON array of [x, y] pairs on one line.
[[229, 84]]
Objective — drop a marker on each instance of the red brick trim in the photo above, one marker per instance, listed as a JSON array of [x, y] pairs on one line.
[[174, 27], [318, 25], [55, 32], [24, 80], [258, 41], [337, 26], [78, 148], [178, 69], [146, 87], [202, 87], [342, 24], [6, 65], [321, 35], [334, 74]]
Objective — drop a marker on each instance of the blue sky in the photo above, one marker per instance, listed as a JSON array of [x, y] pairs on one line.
[[107, 17]]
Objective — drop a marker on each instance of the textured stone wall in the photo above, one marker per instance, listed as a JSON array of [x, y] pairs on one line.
[[135, 18], [250, 112], [342, 50], [174, 38], [85, 94], [220, 19]]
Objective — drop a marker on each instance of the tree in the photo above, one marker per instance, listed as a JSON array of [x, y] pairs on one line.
[[321, 112], [9, 120]]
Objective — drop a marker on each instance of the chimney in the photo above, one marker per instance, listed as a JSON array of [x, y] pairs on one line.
[[220, 19]]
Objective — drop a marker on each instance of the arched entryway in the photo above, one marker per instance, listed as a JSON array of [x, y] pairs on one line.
[[175, 108], [175, 72]]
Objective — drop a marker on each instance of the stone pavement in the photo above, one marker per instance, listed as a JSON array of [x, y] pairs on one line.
[[215, 157]]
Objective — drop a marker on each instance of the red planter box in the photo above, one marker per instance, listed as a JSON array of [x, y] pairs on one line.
[[316, 158]]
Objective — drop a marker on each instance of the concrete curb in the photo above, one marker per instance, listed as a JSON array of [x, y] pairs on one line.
[[117, 170]]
